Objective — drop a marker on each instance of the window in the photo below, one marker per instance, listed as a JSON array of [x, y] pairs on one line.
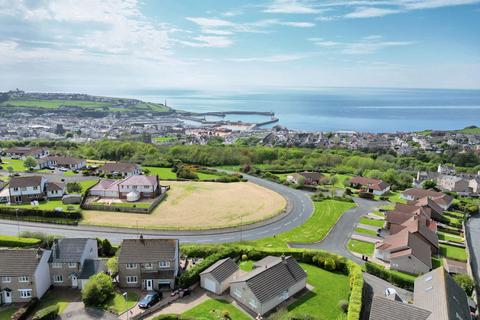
[[35, 188], [284, 296], [428, 278], [58, 278], [72, 264], [237, 292], [57, 265], [131, 266], [131, 279], [24, 188], [15, 189], [23, 279], [252, 303], [25, 293], [6, 279], [148, 265], [164, 264]]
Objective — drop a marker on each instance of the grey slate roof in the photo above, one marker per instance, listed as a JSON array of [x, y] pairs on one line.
[[91, 267], [19, 262], [25, 181], [147, 250], [386, 309], [50, 186], [437, 292], [222, 269], [270, 281], [68, 249]]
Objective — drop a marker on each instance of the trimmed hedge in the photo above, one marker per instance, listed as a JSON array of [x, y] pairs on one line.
[[322, 259], [391, 277], [48, 313], [9, 211], [10, 241]]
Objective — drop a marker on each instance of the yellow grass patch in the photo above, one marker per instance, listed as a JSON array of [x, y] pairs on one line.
[[199, 205]]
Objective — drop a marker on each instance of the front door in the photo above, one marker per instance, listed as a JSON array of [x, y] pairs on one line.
[[7, 295], [74, 282], [149, 284]]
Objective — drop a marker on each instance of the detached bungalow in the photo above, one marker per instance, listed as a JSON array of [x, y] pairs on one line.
[[120, 169], [375, 186], [217, 277], [132, 188], [310, 178], [25, 152], [61, 162], [271, 282]]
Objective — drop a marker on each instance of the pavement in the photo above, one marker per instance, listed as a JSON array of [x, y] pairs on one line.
[[299, 209], [337, 238], [473, 235]]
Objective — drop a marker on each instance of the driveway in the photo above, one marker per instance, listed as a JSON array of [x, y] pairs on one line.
[[337, 238], [76, 310]]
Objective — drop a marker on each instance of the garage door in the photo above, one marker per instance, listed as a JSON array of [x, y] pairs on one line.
[[210, 285]]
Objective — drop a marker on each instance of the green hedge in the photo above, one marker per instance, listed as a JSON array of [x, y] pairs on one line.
[[9, 211], [387, 275], [319, 258], [10, 241], [48, 313]]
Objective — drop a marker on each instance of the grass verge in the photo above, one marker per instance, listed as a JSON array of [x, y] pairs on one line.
[[361, 247]]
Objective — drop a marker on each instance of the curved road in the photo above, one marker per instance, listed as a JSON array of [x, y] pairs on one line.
[[299, 209]]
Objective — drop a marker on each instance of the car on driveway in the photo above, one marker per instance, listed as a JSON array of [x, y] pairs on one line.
[[149, 300]]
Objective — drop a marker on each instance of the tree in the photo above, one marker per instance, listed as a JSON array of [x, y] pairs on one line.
[[98, 290], [464, 281], [30, 163], [10, 170], [74, 187], [112, 265], [107, 248], [429, 184], [301, 181]]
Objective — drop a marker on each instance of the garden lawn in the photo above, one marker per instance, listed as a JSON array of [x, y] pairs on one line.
[[378, 214], [163, 173], [16, 164], [324, 217], [119, 305], [395, 197], [453, 252], [212, 309], [246, 265], [366, 231], [361, 247], [11, 241], [449, 237], [372, 222], [5, 314], [328, 289], [48, 205], [87, 184]]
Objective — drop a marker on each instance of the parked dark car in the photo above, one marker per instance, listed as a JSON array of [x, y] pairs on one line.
[[149, 300], [185, 292]]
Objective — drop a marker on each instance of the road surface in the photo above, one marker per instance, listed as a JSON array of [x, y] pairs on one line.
[[473, 235], [299, 209]]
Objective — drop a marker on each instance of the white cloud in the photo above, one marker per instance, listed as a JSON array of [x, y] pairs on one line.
[[273, 58], [370, 12], [291, 7], [209, 41], [367, 45]]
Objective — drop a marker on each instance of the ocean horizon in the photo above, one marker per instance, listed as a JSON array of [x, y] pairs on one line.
[[330, 109]]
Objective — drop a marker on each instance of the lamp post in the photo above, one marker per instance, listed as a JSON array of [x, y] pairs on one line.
[[18, 223]]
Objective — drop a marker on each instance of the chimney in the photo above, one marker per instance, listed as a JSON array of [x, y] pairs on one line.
[[141, 236], [284, 260]]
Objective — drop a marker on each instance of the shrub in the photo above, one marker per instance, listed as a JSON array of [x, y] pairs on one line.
[[48, 313], [24, 311], [329, 264], [244, 257], [74, 187], [343, 305], [98, 290], [225, 314], [366, 195], [394, 278], [465, 282]]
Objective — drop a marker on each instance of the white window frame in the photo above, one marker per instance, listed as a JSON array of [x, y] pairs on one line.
[[6, 279], [148, 265], [132, 279], [237, 292], [72, 264], [253, 303], [23, 279], [131, 266], [57, 265], [58, 278], [164, 264], [25, 293]]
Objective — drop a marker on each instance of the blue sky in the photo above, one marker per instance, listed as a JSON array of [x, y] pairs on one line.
[[109, 45]]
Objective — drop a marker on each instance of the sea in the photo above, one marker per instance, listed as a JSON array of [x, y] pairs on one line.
[[331, 109]]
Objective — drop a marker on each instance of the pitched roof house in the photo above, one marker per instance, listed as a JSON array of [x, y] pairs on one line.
[[61, 161], [387, 309], [269, 284], [310, 178], [24, 274], [148, 264], [375, 186], [24, 152], [123, 169], [142, 186], [441, 199], [26, 188], [438, 293], [72, 260], [418, 226], [217, 277]]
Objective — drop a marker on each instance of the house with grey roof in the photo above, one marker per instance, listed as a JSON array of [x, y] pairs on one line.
[[24, 274], [148, 264], [437, 292], [387, 309], [270, 283], [217, 277], [123, 169], [26, 188], [73, 261]]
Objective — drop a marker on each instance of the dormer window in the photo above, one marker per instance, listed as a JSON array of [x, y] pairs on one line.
[[148, 265], [57, 265], [23, 279], [131, 266], [164, 264], [72, 264]]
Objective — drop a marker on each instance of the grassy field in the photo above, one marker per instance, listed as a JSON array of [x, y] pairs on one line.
[[366, 231], [6, 313], [372, 222], [200, 205], [163, 173], [328, 289], [120, 305], [212, 309], [314, 229], [453, 252], [361, 247]]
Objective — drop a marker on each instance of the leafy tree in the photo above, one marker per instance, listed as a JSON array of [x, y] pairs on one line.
[[465, 282], [74, 187], [98, 290], [107, 248], [429, 184], [30, 162], [112, 265]]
